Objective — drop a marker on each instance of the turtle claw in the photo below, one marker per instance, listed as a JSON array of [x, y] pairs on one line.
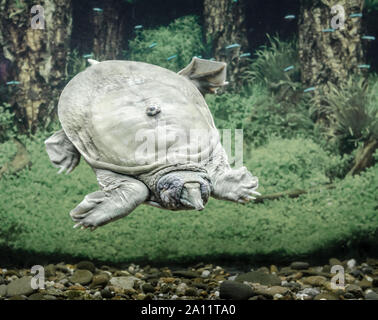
[[83, 227], [61, 170]]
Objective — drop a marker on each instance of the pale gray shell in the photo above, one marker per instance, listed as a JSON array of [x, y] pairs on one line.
[[108, 109]]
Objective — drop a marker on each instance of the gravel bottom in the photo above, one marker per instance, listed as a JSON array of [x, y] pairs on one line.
[[298, 281]]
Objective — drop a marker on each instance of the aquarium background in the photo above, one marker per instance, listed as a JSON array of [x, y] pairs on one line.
[[312, 145]]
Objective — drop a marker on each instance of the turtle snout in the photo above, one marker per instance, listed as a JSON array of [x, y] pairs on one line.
[[191, 196]]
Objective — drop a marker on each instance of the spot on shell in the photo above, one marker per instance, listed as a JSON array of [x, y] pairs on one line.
[[153, 110]]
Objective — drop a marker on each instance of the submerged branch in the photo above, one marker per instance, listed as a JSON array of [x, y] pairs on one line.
[[364, 158], [291, 194]]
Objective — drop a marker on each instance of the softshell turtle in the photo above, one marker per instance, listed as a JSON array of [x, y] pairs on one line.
[[131, 121]]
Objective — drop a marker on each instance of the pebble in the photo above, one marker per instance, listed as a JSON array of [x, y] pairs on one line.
[[86, 265], [259, 277], [292, 285], [82, 277], [348, 295], [314, 280], [357, 273], [20, 287], [50, 270], [205, 273], [366, 283], [235, 290], [354, 289], [299, 265], [148, 288], [351, 263], [335, 262], [3, 290], [124, 282], [371, 295], [18, 298], [100, 280], [106, 293], [303, 296], [326, 296], [299, 281], [74, 294], [269, 292], [59, 286], [273, 269], [181, 289], [310, 292], [36, 296], [191, 292]]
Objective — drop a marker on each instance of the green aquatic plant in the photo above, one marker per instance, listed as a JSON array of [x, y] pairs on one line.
[[260, 114], [276, 65], [371, 5], [7, 127], [352, 113], [171, 46], [283, 229]]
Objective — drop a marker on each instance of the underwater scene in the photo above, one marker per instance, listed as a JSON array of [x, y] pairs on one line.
[[188, 150]]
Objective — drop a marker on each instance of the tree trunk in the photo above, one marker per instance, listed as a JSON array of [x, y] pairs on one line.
[[327, 54], [224, 26], [38, 58], [109, 30]]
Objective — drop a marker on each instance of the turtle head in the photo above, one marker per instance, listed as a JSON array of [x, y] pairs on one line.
[[180, 190]]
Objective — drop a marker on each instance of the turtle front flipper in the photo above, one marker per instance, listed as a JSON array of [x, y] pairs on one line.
[[237, 185], [206, 75], [62, 152], [120, 195]]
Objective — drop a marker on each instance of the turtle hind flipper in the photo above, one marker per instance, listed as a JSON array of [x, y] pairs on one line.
[[62, 152]]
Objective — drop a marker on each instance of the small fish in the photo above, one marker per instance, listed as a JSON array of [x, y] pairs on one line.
[[89, 55], [368, 37], [172, 57], [290, 17], [154, 44], [12, 82], [309, 89], [98, 9], [247, 54], [364, 66], [356, 15], [288, 68], [328, 30], [139, 26], [231, 46]]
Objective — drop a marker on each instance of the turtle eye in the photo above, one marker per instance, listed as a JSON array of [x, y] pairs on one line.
[[153, 110]]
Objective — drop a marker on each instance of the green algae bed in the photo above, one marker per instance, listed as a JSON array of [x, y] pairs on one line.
[[35, 221]]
